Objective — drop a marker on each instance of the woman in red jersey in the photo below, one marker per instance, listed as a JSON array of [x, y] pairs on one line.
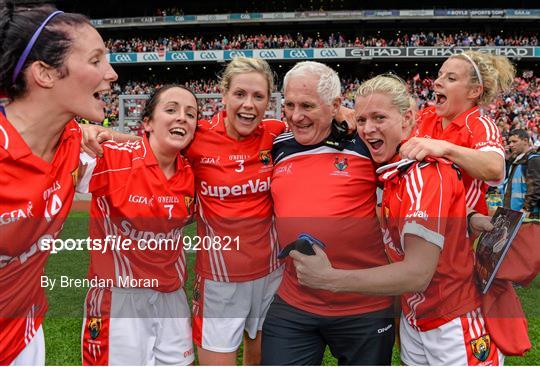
[[237, 267], [455, 127], [136, 311], [53, 67], [424, 227]]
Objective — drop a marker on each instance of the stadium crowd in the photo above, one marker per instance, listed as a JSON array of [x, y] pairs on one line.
[[333, 40], [518, 109]]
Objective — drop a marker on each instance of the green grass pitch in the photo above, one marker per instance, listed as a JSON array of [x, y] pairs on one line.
[[63, 323]]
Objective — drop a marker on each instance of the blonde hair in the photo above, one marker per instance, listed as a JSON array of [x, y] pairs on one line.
[[390, 85], [329, 85], [243, 65], [496, 73]]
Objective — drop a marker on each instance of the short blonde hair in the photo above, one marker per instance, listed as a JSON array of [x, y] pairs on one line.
[[389, 85], [497, 73], [243, 65]]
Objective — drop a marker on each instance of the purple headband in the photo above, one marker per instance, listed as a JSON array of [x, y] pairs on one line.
[[30, 44]]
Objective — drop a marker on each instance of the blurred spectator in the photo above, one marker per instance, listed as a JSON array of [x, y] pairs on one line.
[[519, 109], [522, 187], [298, 40]]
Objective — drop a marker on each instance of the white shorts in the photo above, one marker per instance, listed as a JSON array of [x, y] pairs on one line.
[[136, 327], [223, 310], [34, 352], [460, 342]]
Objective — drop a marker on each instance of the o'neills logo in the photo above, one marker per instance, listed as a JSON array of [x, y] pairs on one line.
[[251, 187]]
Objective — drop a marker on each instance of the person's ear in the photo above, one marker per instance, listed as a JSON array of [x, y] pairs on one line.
[[146, 125], [408, 118], [475, 91], [42, 74], [336, 104]]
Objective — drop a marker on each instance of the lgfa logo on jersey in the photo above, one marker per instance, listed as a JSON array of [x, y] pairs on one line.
[[210, 161], [16, 215], [94, 327], [481, 347]]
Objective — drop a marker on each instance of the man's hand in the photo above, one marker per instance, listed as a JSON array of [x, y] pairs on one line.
[[479, 223], [420, 148], [313, 271], [94, 135], [346, 114]]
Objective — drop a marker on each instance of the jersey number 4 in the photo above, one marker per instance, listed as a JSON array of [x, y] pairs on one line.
[[52, 207]]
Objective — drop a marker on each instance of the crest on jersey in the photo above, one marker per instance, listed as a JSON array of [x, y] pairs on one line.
[[188, 200], [341, 164], [481, 347], [265, 157], [94, 327]]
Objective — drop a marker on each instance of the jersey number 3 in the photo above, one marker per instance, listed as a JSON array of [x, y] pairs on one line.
[[240, 165]]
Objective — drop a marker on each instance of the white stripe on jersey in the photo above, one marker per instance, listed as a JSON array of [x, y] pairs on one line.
[[274, 247], [418, 177], [440, 200], [6, 137], [128, 265], [416, 300], [219, 269], [283, 137], [467, 119], [493, 128], [128, 146], [324, 150], [179, 266], [101, 291], [473, 194], [409, 191]]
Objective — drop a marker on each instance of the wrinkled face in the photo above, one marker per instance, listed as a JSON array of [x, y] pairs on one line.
[[173, 121], [89, 75], [453, 91], [381, 125], [517, 145], [308, 116], [246, 102]]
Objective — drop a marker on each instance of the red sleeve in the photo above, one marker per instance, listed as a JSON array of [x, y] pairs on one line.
[[274, 127], [426, 200], [112, 170], [485, 135]]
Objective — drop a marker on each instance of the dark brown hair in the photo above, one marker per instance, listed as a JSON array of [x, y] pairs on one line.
[[17, 26], [151, 104]]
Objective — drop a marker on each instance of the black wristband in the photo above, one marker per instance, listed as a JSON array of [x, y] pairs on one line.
[[469, 216]]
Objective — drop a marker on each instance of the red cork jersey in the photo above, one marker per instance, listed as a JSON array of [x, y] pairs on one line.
[[329, 194], [232, 180], [470, 130], [34, 202], [134, 201], [427, 199]]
